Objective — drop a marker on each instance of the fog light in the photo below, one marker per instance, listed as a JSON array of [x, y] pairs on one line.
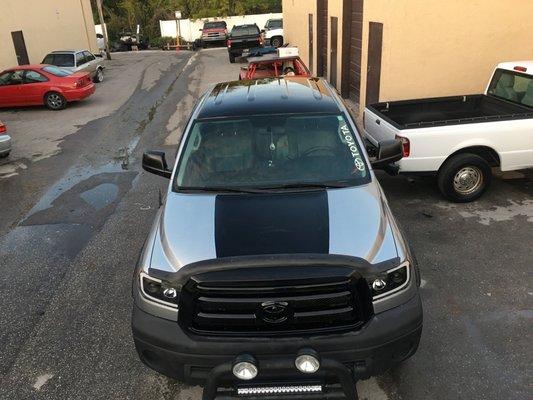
[[307, 362], [379, 284], [245, 367]]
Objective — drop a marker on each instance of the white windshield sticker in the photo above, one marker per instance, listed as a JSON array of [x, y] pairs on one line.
[[350, 142]]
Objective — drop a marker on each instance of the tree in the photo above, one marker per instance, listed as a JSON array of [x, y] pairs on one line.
[[125, 15]]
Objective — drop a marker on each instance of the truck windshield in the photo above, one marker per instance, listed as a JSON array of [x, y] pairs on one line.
[[215, 25], [512, 86], [244, 30], [271, 152]]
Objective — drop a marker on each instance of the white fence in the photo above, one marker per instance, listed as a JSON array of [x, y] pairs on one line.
[[190, 29]]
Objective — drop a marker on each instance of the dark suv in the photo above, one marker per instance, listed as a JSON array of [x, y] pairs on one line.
[[275, 266], [242, 39]]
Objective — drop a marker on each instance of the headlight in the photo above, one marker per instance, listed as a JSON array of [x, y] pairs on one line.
[[158, 291], [389, 282]]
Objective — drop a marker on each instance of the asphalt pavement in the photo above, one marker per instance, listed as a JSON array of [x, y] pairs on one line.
[[75, 209]]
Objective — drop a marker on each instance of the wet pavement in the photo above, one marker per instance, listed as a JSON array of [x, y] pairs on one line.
[[74, 218]]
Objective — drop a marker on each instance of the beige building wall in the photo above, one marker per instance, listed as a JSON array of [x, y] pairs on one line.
[[296, 30], [296, 26], [47, 25], [436, 48]]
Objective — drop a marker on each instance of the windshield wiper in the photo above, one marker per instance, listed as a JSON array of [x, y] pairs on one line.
[[222, 189], [307, 185]]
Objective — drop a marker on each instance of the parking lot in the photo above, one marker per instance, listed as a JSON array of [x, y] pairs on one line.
[[75, 210]]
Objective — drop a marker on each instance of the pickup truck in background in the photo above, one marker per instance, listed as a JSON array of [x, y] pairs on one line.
[[214, 32], [461, 138], [243, 38], [273, 32]]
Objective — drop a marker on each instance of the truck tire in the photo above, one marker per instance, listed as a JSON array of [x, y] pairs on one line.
[[232, 58], [276, 41], [464, 177]]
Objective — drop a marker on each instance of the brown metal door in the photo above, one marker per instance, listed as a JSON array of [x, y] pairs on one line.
[[373, 73], [311, 43], [333, 52], [322, 36], [355, 50], [20, 48]]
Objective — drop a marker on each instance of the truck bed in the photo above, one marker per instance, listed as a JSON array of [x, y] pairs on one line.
[[454, 110]]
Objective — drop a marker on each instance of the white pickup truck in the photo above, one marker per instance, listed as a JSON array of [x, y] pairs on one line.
[[461, 138]]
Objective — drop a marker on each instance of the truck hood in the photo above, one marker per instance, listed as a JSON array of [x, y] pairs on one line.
[[196, 227]]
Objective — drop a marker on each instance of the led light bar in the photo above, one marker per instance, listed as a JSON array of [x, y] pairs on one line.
[[279, 390]]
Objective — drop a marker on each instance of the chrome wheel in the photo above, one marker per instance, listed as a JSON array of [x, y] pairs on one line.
[[100, 76], [54, 101], [468, 180]]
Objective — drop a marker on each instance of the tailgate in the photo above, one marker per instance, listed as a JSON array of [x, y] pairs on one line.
[[245, 43], [377, 129]]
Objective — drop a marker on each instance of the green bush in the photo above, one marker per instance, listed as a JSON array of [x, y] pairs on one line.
[[161, 42]]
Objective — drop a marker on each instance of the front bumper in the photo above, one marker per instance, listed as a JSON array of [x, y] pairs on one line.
[[208, 39], [387, 339], [5, 144]]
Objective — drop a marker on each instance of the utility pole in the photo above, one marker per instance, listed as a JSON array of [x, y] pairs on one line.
[[104, 28]]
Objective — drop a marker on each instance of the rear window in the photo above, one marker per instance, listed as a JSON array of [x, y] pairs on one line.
[[60, 60], [215, 25], [275, 24], [245, 30], [512, 86], [56, 71]]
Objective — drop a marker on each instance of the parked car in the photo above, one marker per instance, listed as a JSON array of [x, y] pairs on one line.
[[275, 257], [273, 32], [77, 61], [460, 138], [28, 85], [243, 38], [5, 141], [274, 65], [214, 32]]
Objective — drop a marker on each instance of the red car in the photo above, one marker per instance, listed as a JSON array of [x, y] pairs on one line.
[[272, 65], [29, 85]]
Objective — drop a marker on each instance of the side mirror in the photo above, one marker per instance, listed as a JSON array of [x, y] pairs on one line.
[[388, 152], [156, 163]]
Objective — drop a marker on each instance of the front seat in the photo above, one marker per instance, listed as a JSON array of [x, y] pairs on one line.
[[528, 97], [505, 88]]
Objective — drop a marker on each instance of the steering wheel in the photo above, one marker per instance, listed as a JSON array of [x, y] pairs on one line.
[[316, 149]]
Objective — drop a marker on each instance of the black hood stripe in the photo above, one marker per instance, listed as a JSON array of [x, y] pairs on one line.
[[284, 223]]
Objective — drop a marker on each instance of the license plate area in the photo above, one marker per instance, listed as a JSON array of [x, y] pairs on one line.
[[272, 390]]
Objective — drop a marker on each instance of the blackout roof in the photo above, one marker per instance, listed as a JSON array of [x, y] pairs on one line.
[[294, 95]]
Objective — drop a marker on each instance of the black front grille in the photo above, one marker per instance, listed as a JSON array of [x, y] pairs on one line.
[[272, 308]]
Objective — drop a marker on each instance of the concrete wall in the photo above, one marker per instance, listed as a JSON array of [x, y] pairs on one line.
[[438, 48], [47, 25], [190, 29]]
